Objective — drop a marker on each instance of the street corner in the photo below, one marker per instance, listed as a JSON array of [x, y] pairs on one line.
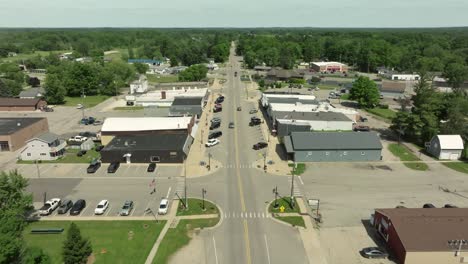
[[202, 168]]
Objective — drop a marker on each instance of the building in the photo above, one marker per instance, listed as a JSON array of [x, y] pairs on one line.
[[132, 126], [333, 146], [446, 147], [311, 121], [139, 86], [303, 65], [146, 61], [165, 148], [14, 132], [275, 108], [268, 99], [46, 146], [442, 85], [32, 93], [393, 89], [283, 75], [187, 106], [165, 97], [262, 68], [18, 104], [329, 66], [424, 235], [401, 76]]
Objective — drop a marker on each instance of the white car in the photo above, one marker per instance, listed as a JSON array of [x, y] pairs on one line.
[[79, 106], [101, 207], [78, 139], [212, 142], [163, 206]]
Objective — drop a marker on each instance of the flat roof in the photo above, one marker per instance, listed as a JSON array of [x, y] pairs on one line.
[[9, 126], [115, 124], [285, 117], [326, 63], [147, 142], [335, 140], [428, 229]]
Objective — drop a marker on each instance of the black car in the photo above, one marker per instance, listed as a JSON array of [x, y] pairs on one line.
[[220, 99], [78, 207], [428, 205], [81, 153], [215, 119], [215, 134], [65, 206], [93, 166], [99, 148], [260, 145], [151, 167], [450, 206], [373, 252], [255, 121], [217, 109], [215, 125], [88, 134], [113, 167]]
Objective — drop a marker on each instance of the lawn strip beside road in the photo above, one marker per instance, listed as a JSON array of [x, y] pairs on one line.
[[460, 166], [178, 237], [405, 154], [88, 101], [286, 203], [300, 168], [292, 220], [112, 241], [386, 114], [195, 207]]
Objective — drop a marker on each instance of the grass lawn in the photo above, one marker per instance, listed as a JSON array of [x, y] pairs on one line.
[[162, 78], [292, 220], [286, 202], [195, 207], [89, 101], [382, 112], [344, 96], [459, 166], [69, 157], [405, 154], [129, 108], [178, 237], [300, 169], [110, 240], [25, 56]]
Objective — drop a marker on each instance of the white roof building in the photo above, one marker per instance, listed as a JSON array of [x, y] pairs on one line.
[[268, 99], [448, 147], [321, 107], [118, 124], [166, 97]]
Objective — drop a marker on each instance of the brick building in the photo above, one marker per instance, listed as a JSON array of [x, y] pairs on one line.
[[19, 104], [14, 132]]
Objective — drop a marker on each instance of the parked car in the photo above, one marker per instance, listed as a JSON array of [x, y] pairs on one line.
[[215, 119], [78, 139], [219, 99], [97, 123], [65, 206], [49, 206], [260, 145], [99, 148], [253, 111], [212, 142], [79, 106], [151, 167], [215, 125], [48, 109], [88, 120], [81, 153], [113, 167], [126, 208], [255, 121], [361, 128], [215, 134], [163, 205], [101, 207], [231, 124], [93, 166], [217, 109], [373, 252], [92, 135], [239, 108], [78, 207], [450, 206], [428, 205]]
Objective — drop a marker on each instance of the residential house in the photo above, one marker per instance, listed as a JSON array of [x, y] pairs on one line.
[[19, 104], [46, 146], [446, 147], [32, 93], [140, 85]]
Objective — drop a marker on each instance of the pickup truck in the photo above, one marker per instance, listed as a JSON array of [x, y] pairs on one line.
[[78, 139], [49, 206]]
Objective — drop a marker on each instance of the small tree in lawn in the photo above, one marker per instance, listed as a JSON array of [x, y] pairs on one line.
[[365, 92], [76, 249]]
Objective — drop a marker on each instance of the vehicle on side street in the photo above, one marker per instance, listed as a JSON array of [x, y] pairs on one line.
[[163, 206], [151, 167], [101, 207], [78, 139], [253, 111], [49, 206], [215, 119], [78, 207], [255, 121], [65, 206], [374, 252], [126, 208], [260, 145], [361, 128], [212, 142], [93, 166], [215, 134], [215, 125], [429, 205], [113, 167], [231, 124], [81, 153]]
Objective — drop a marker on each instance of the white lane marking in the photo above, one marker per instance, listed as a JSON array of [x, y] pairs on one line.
[[108, 210], [84, 210], [268, 250], [134, 209], [168, 192], [300, 179], [242, 215], [216, 253]]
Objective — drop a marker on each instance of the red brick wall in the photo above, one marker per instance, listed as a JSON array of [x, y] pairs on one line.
[[393, 243], [18, 139]]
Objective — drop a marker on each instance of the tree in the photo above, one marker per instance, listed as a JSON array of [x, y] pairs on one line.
[[365, 92], [36, 255], [193, 73], [174, 62], [76, 249], [54, 89], [456, 74], [141, 68], [33, 81], [261, 83], [131, 54], [83, 47]]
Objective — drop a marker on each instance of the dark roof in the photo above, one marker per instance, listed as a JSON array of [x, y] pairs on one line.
[[281, 73], [393, 87], [184, 100], [335, 140], [46, 137], [6, 101], [9, 126], [147, 142], [32, 92], [181, 110], [324, 116], [428, 229]]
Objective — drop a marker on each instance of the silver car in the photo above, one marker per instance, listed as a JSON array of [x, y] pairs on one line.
[[126, 208]]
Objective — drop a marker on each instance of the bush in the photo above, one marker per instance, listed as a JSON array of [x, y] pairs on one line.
[[383, 106]]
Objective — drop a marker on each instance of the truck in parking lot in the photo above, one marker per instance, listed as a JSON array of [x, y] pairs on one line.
[[49, 206]]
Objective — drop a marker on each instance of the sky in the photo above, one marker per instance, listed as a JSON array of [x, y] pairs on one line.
[[229, 13]]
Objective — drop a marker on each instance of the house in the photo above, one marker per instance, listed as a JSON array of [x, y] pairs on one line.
[[14, 132], [147, 148], [32, 93], [442, 85], [392, 89], [288, 122], [19, 104], [139, 86], [145, 61], [424, 235], [187, 106], [46, 146], [446, 147], [333, 146], [129, 126], [329, 66]]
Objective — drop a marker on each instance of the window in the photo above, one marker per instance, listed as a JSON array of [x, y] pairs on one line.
[[345, 153], [155, 159], [173, 153], [327, 153], [363, 153], [43, 154], [29, 154]]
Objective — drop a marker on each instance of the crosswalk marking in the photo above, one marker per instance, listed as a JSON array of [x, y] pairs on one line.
[[297, 191], [246, 215], [240, 166]]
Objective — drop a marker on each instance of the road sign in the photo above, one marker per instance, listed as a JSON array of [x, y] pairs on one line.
[[282, 209]]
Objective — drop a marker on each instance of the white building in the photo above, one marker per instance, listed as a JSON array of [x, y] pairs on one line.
[[139, 86], [46, 146], [320, 107], [328, 66], [267, 99], [402, 76], [446, 147], [164, 98]]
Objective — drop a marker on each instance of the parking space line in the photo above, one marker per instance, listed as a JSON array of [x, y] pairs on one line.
[[300, 179], [83, 211], [108, 210], [133, 211], [267, 249], [168, 192], [216, 253]]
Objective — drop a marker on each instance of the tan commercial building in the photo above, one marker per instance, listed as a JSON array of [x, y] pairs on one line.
[[424, 235], [329, 66], [14, 132]]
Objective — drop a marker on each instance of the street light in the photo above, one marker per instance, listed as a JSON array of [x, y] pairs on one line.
[[203, 197], [275, 191], [292, 184], [209, 161]]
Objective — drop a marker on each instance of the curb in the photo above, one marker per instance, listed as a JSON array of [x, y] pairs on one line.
[[221, 218]]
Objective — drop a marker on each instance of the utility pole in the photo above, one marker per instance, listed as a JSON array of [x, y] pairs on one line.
[[264, 162], [82, 101], [275, 191], [203, 195], [292, 185], [209, 161]]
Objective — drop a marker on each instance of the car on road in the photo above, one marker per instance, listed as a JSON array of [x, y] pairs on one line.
[[93, 166], [49, 206], [113, 167], [65, 206], [163, 205], [239, 108], [255, 121], [231, 124], [151, 167], [219, 100], [450, 206], [101, 207], [78, 207], [361, 128], [235, 74], [215, 119], [126, 208], [215, 125], [215, 134], [212, 142], [88, 120], [253, 111], [81, 153], [217, 109], [260, 145], [429, 205], [373, 252], [79, 106]]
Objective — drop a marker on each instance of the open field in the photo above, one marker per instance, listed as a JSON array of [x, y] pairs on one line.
[[89, 101], [25, 56], [406, 155]]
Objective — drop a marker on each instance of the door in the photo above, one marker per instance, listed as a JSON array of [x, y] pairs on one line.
[[454, 156], [4, 146]]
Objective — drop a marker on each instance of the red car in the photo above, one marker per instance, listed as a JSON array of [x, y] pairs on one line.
[[260, 145]]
